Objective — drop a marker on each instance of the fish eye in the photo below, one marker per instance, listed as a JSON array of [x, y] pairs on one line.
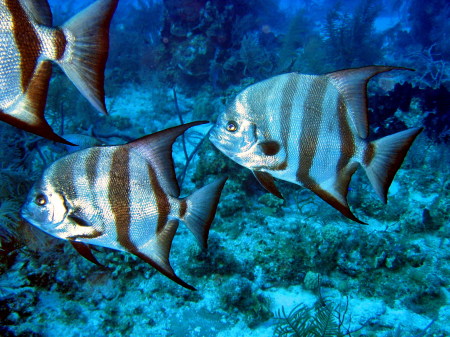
[[231, 126], [41, 200]]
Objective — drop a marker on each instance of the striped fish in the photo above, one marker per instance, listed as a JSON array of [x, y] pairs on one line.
[[311, 130], [28, 43], [123, 197]]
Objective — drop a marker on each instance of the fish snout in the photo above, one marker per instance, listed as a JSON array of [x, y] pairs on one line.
[[214, 136], [24, 213]]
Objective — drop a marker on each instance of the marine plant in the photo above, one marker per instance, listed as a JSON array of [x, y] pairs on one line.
[[350, 38], [256, 59], [8, 218], [427, 103], [430, 25], [299, 35], [434, 69], [303, 321], [240, 293]]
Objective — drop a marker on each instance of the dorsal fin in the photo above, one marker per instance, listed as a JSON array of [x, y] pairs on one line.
[[352, 84], [156, 253], [266, 181], [157, 150], [39, 10]]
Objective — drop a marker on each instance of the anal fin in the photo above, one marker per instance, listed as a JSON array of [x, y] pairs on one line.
[[156, 253], [337, 203], [334, 191], [28, 112]]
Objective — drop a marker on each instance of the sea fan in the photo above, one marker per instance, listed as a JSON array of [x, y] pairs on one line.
[[307, 322], [8, 219], [324, 323]]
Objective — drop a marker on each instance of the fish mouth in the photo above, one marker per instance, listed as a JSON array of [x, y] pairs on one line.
[[25, 214], [221, 141], [28, 216], [215, 138], [230, 145]]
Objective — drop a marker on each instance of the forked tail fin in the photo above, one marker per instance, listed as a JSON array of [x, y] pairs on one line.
[[384, 157], [201, 208], [85, 57]]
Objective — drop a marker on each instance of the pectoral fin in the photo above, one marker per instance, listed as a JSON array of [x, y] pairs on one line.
[[83, 228], [79, 221], [266, 180]]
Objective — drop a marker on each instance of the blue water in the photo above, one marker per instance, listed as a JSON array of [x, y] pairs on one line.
[[266, 257]]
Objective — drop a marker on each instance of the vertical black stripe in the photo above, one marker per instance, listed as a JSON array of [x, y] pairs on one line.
[[309, 138], [27, 41], [91, 170], [310, 128], [119, 196], [162, 202], [347, 146], [60, 43], [183, 208], [287, 102], [369, 154], [63, 176], [256, 99], [289, 92], [91, 165]]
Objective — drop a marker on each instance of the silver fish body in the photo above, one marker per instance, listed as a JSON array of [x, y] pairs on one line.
[[28, 44], [122, 197], [311, 130]]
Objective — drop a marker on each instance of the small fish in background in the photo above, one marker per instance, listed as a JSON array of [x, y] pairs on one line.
[[82, 141], [311, 130], [123, 197], [28, 43]]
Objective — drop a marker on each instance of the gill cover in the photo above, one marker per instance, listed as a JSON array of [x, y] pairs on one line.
[[45, 208]]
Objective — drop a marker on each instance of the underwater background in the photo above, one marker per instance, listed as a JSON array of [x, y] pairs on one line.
[[292, 267]]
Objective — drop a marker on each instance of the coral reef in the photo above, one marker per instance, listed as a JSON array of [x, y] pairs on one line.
[[389, 278], [427, 106]]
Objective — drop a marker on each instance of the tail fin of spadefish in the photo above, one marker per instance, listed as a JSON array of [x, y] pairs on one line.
[[384, 157], [84, 60], [201, 208]]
